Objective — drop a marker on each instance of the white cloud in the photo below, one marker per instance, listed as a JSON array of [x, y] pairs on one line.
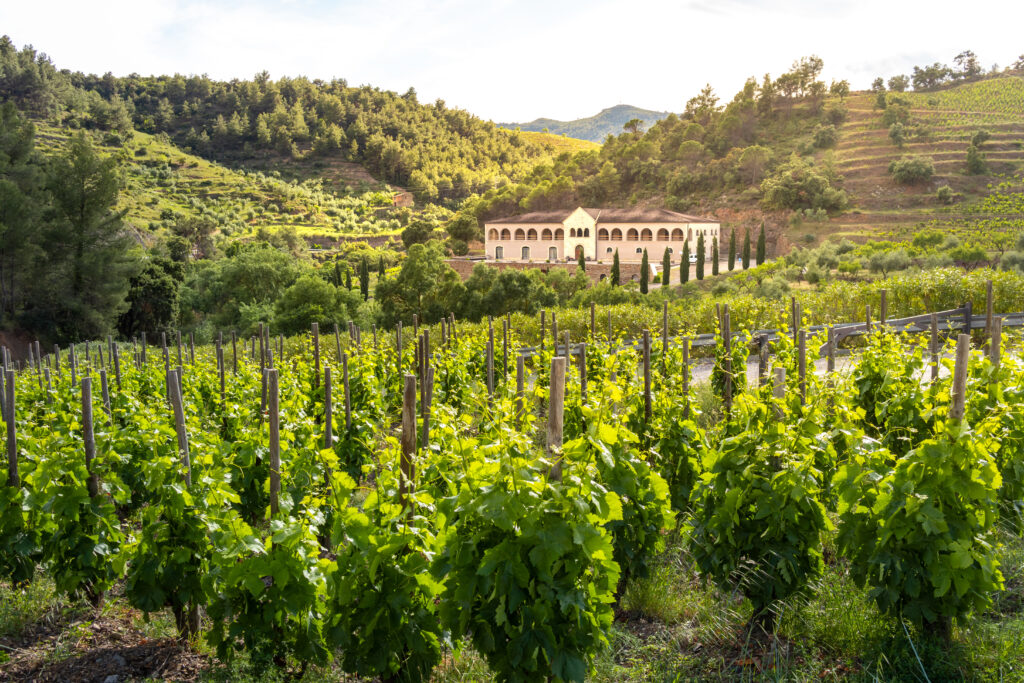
[[509, 60]]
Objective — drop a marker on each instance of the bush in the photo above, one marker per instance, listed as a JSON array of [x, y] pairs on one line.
[[886, 262], [898, 134], [911, 170], [944, 194], [849, 267], [797, 184], [837, 113], [980, 138], [976, 161], [825, 136]]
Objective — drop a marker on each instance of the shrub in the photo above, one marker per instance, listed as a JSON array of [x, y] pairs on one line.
[[797, 184], [976, 161], [911, 170], [980, 137], [825, 136], [837, 113], [897, 133], [944, 194]]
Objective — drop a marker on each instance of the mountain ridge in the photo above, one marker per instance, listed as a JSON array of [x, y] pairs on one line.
[[596, 128]]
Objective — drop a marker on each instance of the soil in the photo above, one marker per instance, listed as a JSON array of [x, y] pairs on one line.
[[103, 649]]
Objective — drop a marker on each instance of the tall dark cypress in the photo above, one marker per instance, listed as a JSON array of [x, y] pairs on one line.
[[684, 265], [732, 250], [666, 268], [714, 255], [700, 257], [761, 246], [746, 249], [645, 273], [614, 276]]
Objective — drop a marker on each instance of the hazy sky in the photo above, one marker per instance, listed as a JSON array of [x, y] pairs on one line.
[[515, 61]]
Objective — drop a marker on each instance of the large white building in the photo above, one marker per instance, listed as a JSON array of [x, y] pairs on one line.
[[551, 236]]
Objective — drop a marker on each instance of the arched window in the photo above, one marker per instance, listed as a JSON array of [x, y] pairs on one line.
[[632, 235], [689, 233], [493, 234], [608, 250], [552, 253], [639, 250], [663, 235], [526, 254], [499, 253], [602, 234], [520, 235], [645, 235], [505, 234], [559, 234], [546, 234], [531, 234], [572, 232], [677, 235], [616, 235], [586, 232]]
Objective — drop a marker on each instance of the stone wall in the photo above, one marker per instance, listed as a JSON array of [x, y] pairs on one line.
[[595, 271]]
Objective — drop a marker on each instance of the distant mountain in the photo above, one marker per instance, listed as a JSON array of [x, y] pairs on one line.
[[596, 128]]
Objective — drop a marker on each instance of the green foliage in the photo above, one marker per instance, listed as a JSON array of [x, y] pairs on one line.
[[714, 255], [797, 184], [920, 531], [645, 273], [312, 299], [614, 276], [666, 268], [701, 254], [975, 161], [761, 245], [684, 265], [911, 170], [426, 285], [825, 136], [757, 519]]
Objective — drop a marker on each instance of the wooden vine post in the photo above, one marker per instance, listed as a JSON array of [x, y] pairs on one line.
[[583, 370], [328, 411], [593, 318], [779, 389], [958, 396], [989, 309], [647, 376], [405, 463], [883, 312], [933, 344], [686, 377], [10, 415], [315, 332], [831, 354], [520, 372], [727, 361], [995, 344], [275, 441], [543, 328], [664, 338], [92, 483], [345, 388], [179, 424], [867, 318], [802, 366], [762, 359], [556, 406]]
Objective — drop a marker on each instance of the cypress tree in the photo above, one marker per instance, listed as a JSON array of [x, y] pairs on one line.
[[714, 255], [581, 262], [700, 257], [645, 273], [364, 279], [614, 276], [381, 271], [684, 265], [761, 245], [666, 267], [732, 250], [746, 250], [348, 278]]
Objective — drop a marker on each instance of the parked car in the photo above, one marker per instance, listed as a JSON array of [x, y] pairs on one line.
[[693, 258]]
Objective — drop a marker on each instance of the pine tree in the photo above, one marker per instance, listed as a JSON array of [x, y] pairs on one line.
[[684, 265], [645, 273], [761, 245], [746, 250], [700, 257], [732, 250], [581, 262], [666, 268], [614, 276], [714, 255], [364, 279]]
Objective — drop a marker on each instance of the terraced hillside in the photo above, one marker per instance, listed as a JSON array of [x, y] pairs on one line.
[[942, 124]]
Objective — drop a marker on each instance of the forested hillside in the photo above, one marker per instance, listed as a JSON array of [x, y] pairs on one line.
[[594, 128], [436, 151]]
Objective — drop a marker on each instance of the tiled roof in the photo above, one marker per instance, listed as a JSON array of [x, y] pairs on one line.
[[632, 215]]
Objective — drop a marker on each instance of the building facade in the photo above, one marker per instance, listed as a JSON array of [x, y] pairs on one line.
[[553, 236]]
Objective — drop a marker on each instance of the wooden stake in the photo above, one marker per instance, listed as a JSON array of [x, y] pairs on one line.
[[583, 370], [593, 319], [831, 355], [867, 318], [178, 337], [10, 415], [779, 389], [174, 382], [664, 338], [883, 312], [762, 359], [117, 367], [405, 463], [315, 332], [933, 345], [802, 359], [958, 393], [995, 343], [543, 328], [105, 390], [275, 441], [328, 410], [348, 396], [92, 483], [556, 406], [686, 377], [519, 387], [647, 376], [234, 352]]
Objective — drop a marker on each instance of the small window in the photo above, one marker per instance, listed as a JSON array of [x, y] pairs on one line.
[[639, 250], [526, 254], [499, 253], [586, 232], [552, 253], [608, 250]]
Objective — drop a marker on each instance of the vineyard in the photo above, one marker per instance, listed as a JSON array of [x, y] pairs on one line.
[[383, 504]]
